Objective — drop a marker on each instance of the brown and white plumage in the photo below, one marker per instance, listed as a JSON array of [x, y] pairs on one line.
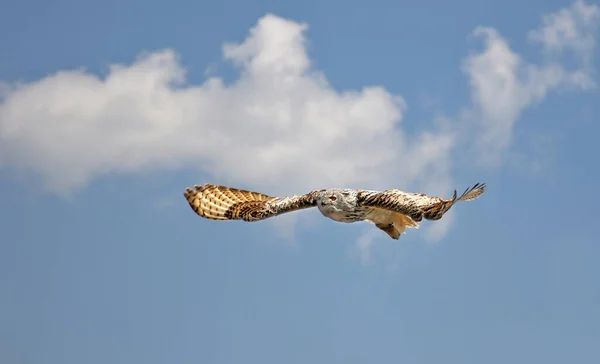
[[226, 203], [391, 210]]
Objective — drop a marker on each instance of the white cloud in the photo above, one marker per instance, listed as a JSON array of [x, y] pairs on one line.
[[572, 28], [503, 84], [279, 127]]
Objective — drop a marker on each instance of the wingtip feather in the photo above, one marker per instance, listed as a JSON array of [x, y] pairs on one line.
[[472, 193]]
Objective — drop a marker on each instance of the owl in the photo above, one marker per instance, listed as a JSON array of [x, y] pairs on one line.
[[392, 211]]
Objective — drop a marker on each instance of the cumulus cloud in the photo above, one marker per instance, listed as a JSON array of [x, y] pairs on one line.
[[280, 126], [503, 84]]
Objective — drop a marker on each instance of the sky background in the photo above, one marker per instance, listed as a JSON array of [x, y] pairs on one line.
[[108, 110]]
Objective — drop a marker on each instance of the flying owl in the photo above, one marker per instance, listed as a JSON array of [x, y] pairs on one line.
[[391, 210]]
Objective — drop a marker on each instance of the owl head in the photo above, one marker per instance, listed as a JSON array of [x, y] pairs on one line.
[[337, 200]]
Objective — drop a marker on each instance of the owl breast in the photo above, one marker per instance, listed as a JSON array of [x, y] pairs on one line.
[[342, 216]]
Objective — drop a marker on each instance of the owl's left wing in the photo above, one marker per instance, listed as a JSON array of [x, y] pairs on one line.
[[227, 203], [416, 205]]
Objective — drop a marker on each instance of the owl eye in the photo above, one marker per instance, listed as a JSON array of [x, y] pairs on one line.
[[332, 198]]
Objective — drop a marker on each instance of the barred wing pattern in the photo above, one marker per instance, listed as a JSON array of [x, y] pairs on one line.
[[416, 205], [225, 203]]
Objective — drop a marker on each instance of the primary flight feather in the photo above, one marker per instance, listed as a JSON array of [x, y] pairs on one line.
[[391, 210]]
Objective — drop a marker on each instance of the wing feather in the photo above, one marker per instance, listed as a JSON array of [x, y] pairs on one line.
[[416, 205], [226, 203]]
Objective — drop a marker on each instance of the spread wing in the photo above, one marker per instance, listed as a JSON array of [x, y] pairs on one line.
[[226, 203], [416, 205]]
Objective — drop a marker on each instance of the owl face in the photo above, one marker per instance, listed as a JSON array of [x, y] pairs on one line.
[[337, 200]]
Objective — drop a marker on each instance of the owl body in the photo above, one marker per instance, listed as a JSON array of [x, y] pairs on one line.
[[392, 211]]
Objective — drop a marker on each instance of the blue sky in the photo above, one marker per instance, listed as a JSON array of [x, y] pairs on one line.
[[109, 110]]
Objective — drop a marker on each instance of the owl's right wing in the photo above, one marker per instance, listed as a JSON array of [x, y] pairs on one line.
[[416, 205], [227, 203]]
